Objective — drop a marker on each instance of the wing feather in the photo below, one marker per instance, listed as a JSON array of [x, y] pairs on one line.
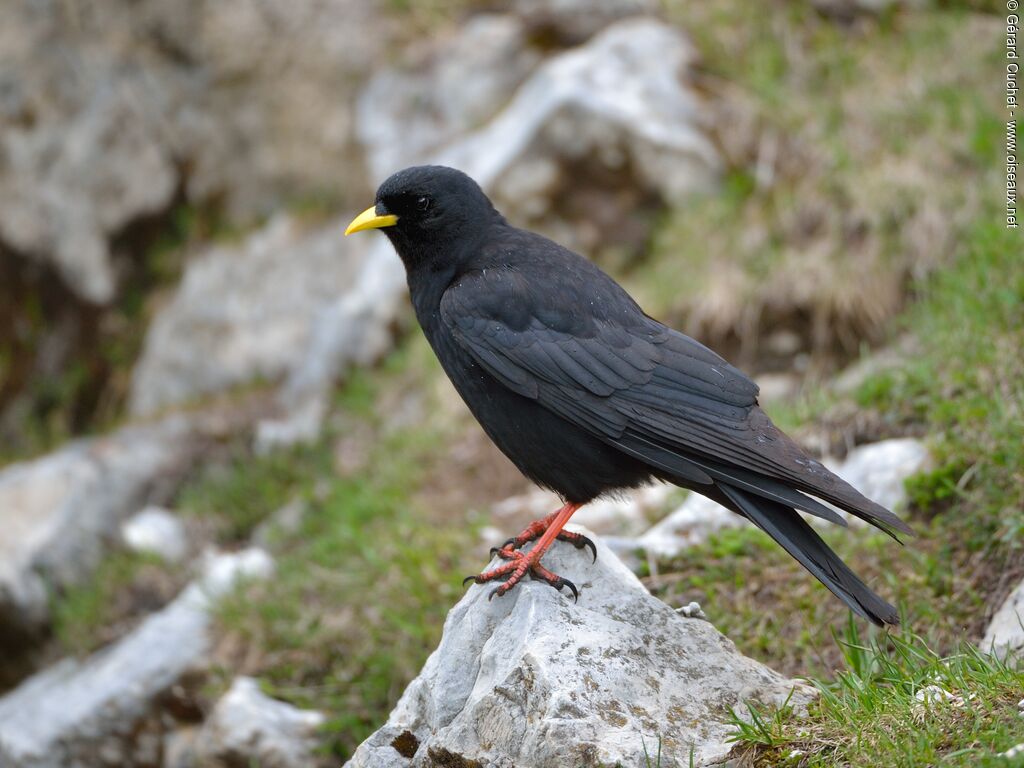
[[656, 394]]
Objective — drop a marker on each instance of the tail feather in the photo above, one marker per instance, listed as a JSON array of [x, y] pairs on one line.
[[793, 533]]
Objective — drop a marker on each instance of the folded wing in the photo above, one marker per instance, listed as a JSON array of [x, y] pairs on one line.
[[656, 394]]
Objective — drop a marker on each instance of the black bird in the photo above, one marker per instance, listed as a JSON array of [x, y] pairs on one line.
[[588, 395]]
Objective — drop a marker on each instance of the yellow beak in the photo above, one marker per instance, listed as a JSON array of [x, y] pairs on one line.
[[369, 219]]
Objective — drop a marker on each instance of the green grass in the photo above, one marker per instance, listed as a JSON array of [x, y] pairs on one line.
[[870, 713], [235, 495], [125, 587]]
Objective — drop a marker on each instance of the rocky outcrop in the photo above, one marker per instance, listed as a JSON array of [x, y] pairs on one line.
[[116, 111], [617, 110], [59, 513], [408, 114], [248, 728], [245, 313], [109, 708], [83, 137], [621, 100], [535, 679]]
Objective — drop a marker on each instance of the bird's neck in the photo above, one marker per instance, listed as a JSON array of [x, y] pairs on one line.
[[432, 266]]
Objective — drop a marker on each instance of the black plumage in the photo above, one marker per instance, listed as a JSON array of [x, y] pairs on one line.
[[586, 394]]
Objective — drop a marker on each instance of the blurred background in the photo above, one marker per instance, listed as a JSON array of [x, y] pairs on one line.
[[202, 381]]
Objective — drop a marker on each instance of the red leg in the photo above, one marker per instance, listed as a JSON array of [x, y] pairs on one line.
[[519, 563], [536, 529]]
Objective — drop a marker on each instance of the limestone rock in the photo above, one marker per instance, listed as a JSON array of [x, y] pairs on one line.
[[534, 679], [619, 102], [879, 470], [407, 114], [248, 728], [356, 329], [57, 513], [1005, 633], [81, 146], [244, 313], [627, 514], [104, 710], [110, 114], [697, 518], [156, 531]]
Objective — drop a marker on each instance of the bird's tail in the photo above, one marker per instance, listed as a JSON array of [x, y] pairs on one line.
[[791, 531]]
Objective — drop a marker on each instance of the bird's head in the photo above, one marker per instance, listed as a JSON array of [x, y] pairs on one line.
[[426, 208]]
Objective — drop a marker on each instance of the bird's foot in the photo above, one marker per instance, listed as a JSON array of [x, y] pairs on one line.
[[517, 566], [536, 529]]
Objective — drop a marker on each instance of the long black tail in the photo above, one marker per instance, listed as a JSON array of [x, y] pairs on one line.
[[790, 530]]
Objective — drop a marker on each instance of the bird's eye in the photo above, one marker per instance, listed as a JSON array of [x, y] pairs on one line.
[[422, 203]]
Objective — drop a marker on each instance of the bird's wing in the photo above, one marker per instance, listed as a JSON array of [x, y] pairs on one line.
[[597, 360]]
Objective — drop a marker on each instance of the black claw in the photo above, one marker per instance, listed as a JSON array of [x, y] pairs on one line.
[[509, 543], [468, 579], [494, 550], [580, 541], [495, 591], [585, 542], [563, 582]]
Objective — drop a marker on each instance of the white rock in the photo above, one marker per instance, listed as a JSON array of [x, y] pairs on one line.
[[69, 714], [535, 503], [248, 728], [179, 748], [617, 98], [82, 168], [625, 515], [879, 470], [1005, 633], [244, 313], [692, 610], [356, 329], [101, 126], [534, 679], [156, 531], [934, 694], [692, 523], [57, 513], [1012, 752], [221, 573], [405, 115]]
